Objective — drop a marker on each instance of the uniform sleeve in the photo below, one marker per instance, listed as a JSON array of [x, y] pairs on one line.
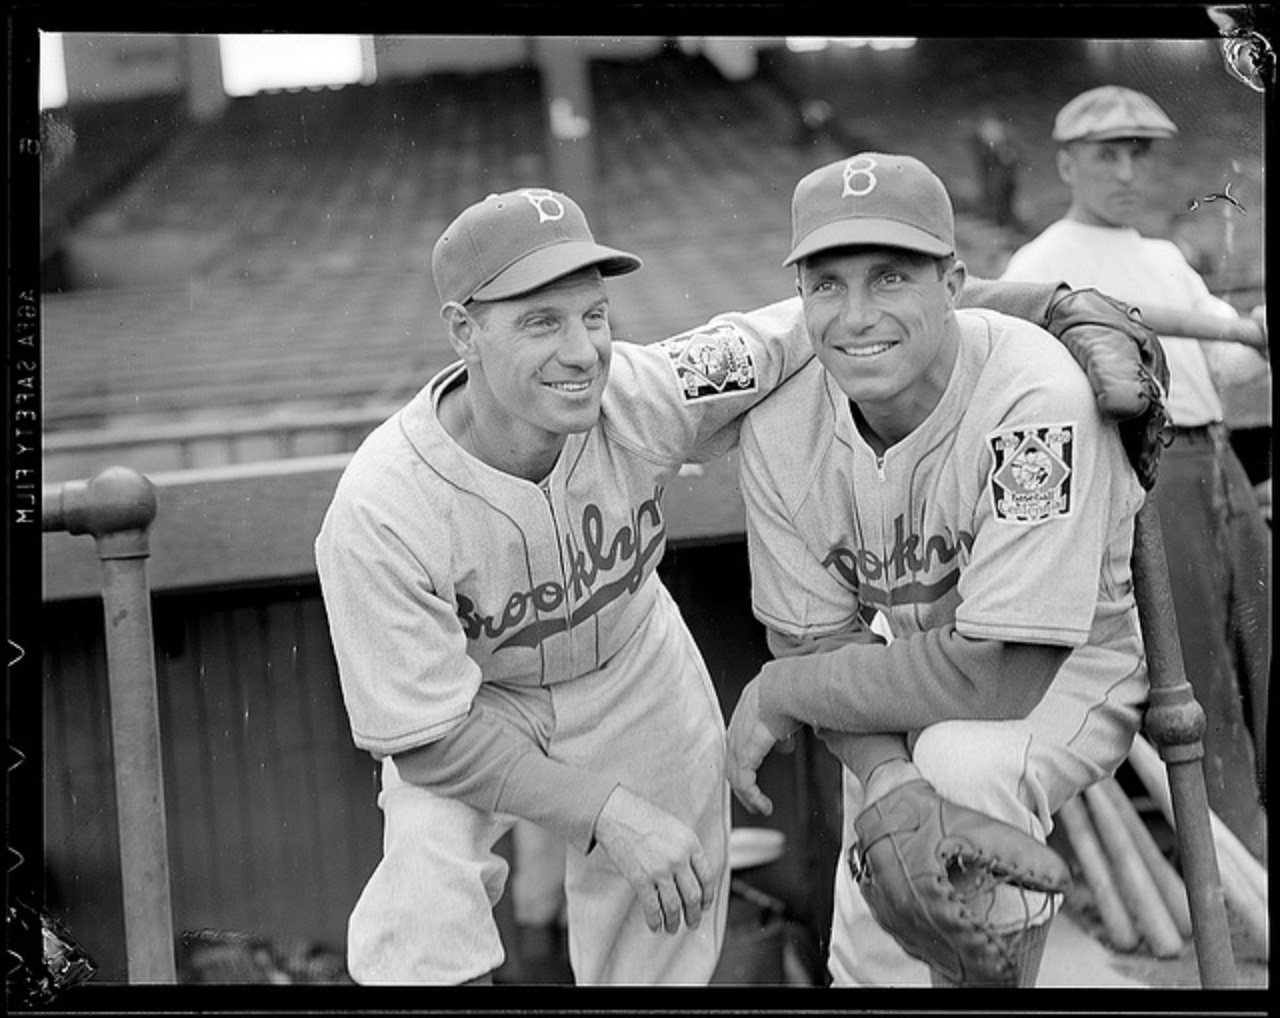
[[1023, 299], [1057, 499], [791, 592], [401, 653], [680, 400], [915, 681], [489, 765]]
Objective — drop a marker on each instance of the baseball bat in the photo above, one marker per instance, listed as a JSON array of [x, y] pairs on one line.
[[1172, 890], [1093, 863], [1253, 870], [1252, 873], [1136, 885], [1239, 889], [1166, 321], [1145, 761]]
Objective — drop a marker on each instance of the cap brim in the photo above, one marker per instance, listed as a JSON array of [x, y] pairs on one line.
[[877, 232], [538, 268], [1118, 134]]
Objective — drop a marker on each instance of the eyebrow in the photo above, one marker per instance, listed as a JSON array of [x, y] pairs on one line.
[[554, 308]]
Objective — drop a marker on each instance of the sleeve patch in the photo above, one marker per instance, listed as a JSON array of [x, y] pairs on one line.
[[1030, 479], [711, 362]]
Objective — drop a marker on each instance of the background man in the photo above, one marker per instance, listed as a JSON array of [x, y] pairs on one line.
[[1218, 542]]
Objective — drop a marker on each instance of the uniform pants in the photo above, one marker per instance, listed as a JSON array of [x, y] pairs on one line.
[[1020, 772], [1219, 551], [650, 717], [537, 885]]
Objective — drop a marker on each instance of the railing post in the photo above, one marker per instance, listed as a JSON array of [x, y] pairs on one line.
[[117, 506], [1175, 722]]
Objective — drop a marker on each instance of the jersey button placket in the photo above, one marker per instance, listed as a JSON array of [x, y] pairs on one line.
[[886, 528], [557, 654]]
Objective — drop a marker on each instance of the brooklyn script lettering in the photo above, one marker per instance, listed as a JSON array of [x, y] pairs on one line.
[[880, 579], [633, 547]]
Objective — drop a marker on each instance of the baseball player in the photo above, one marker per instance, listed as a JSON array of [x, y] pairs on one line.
[[505, 646], [1108, 138], [958, 479]]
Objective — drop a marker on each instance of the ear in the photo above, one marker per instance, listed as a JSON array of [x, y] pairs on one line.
[[460, 327], [955, 279], [1066, 166]]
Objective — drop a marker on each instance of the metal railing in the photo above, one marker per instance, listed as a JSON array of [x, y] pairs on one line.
[[1175, 721], [116, 507]]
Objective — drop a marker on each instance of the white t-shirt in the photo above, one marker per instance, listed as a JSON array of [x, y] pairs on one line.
[[1123, 264]]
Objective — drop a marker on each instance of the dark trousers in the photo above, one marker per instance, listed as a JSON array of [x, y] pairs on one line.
[[1219, 551]]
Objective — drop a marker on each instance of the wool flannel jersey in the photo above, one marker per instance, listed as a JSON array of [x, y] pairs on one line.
[[441, 572], [1006, 515]]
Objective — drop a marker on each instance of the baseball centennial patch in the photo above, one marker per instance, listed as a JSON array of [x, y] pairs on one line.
[[1030, 477], [711, 362]]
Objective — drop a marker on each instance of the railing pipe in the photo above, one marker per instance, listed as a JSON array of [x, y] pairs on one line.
[[117, 507], [1175, 723]]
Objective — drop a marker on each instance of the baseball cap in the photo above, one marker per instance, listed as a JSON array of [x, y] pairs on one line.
[[1109, 112], [514, 242], [871, 198]]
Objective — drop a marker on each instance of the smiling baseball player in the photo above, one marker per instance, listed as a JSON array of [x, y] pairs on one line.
[[505, 646], [955, 475]]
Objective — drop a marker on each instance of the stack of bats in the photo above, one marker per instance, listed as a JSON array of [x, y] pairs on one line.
[[1138, 892]]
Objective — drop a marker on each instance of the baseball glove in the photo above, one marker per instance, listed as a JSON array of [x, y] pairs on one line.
[[928, 869], [1126, 367]]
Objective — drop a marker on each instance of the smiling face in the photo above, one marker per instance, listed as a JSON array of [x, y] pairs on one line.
[[537, 364], [882, 323], [1108, 179]]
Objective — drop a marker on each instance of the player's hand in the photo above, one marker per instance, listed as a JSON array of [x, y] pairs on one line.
[[749, 742], [660, 857]]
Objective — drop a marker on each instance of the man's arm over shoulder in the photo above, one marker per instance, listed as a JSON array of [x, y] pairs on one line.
[[1031, 301], [681, 399]]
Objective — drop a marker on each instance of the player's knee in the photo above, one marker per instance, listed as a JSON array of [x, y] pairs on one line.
[[967, 762], [985, 766]]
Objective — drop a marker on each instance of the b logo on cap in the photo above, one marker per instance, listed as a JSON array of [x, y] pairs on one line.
[[859, 167], [550, 208]]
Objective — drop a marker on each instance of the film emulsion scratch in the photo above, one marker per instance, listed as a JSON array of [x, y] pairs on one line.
[[1248, 53], [52, 963]]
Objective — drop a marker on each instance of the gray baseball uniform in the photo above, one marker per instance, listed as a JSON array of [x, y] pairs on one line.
[[1007, 515], [526, 626]]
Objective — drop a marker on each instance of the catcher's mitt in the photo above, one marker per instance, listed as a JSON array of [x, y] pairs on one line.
[[1126, 367], [928, 869]]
